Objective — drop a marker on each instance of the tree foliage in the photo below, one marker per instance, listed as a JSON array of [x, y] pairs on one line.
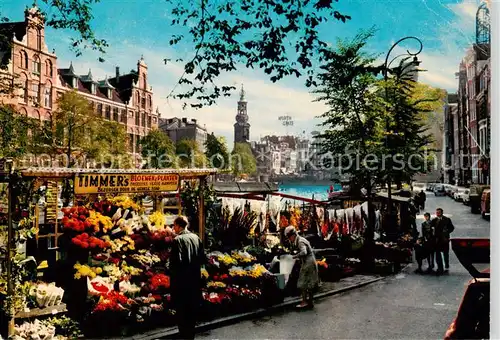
[[189, 154], [353, 136], [243, 160], [15, 139], [78, 132], [278, 36], [158, 149], [410, 106], [216, 151]]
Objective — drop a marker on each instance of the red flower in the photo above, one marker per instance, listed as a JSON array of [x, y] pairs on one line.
[[159, 281]]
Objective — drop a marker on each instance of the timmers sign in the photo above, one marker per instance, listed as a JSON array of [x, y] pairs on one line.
[[124, 183]]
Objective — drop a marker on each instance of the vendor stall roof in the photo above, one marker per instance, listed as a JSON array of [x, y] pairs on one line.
[[393, 197], [69, 172], [245, 187]]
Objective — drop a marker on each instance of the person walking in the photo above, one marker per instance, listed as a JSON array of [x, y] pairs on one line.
[[186, 260], [308, 276], [428, 240], [423, 198], [443, 227]]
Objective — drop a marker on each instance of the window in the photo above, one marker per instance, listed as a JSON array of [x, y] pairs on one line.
[[36, 89], [25, 84], [124, 117], [23, 60], [115, 114], [36, 66], [137, 122], [131, 142], [143, 102], [48, 68], [108, 113], [38, 39], [48, 96], [99, 109], [149, 121], [143, 119], [137, 143], [144, 81]]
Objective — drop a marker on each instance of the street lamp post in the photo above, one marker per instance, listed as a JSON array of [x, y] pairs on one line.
[[385, 71]]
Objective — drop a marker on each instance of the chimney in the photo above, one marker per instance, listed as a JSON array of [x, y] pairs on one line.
[[184, 120], [117, 74], [194, 121]]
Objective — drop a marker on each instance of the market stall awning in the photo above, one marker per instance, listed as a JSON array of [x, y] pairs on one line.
[[69, 172], [245, 187], [394, 198]]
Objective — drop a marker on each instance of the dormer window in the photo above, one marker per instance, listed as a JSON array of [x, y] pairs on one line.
[[92, 88]]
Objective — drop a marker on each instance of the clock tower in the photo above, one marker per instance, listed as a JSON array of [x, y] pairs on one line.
[[242, 127]]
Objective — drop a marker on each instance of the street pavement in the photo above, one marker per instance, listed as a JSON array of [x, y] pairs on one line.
[[405, 306]]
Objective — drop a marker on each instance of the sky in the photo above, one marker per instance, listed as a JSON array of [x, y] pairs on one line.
[[142, 27]]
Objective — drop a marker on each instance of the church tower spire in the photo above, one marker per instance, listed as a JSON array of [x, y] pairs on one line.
[[242, 127]]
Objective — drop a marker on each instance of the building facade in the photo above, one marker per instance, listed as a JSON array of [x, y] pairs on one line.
[[126, 99], [181, 128]]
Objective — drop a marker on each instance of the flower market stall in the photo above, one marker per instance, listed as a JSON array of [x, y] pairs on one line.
[[100, 258]]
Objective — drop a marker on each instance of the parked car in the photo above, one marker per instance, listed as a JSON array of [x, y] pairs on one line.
[[450, 189], [485, 203], [465, 197], [439, 190], [459, 194], [473, 316], [475, 193], [430, 187]]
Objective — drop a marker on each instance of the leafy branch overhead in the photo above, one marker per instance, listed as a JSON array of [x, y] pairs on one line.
[[278, 36]]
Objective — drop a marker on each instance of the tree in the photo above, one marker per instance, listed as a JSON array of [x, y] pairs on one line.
[[242, 160], [280, 37], [216, 152], [15, 133], [189, 154], [76, 131], [354, 122], [73, 125], [410, 106], [158, 149], [109, 144]]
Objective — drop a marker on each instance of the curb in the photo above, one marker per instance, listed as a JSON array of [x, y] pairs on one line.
[[204, 326]]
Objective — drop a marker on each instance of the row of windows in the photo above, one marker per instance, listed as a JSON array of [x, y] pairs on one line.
[[37, 92], [118, 115], [140, 101], [36, 64]]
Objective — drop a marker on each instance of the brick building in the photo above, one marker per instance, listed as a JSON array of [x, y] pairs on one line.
[[178, 129], [124, 98]]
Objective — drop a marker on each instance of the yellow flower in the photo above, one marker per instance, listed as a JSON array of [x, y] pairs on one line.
[[157, 219], [125, 202], [204, 273], [126, 269], [216, 284], [82, 270], [100, 222], [227, 260]]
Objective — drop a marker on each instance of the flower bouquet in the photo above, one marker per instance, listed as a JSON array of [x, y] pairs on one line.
[[85, 241], [36, 330]]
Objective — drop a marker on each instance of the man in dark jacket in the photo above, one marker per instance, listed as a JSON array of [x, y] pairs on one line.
[[186, 259], [422, 200], [443, 227], [429, 244]]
